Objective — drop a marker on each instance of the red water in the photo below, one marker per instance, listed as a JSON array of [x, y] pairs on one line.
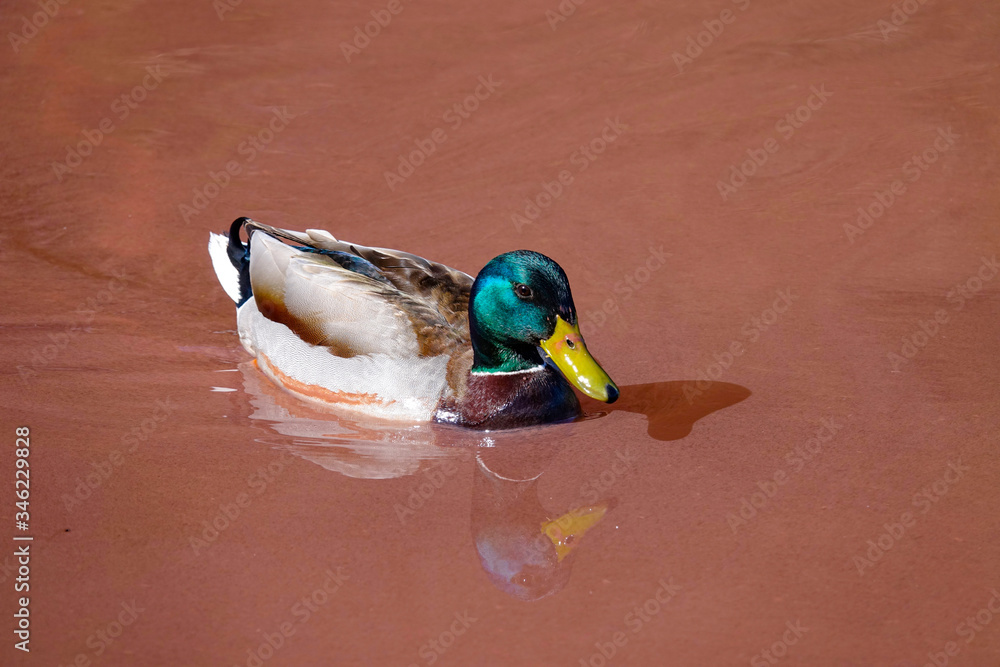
[[737, 313]]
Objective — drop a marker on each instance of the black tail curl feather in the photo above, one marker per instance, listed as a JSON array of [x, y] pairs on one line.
[[239, 255]]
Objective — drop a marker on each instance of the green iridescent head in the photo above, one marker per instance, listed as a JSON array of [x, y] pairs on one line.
[[521, 315]]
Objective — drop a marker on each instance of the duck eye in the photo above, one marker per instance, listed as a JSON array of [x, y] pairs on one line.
[[523, 291]]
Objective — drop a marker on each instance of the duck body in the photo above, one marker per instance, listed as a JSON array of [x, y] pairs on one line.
[[510, 400], [392, 335]]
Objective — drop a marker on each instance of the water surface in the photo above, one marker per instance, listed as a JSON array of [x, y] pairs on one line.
[[780, 244]]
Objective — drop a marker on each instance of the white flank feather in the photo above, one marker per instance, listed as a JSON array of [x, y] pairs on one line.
[[228, 275], [402, 389]]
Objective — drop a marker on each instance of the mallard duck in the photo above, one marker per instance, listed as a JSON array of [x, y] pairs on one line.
[[395, 336]]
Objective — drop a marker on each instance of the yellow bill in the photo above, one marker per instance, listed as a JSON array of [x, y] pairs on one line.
[[566, 349], [566, 531]]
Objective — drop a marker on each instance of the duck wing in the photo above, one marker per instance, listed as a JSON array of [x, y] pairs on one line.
[[442, 287], [356, 300]]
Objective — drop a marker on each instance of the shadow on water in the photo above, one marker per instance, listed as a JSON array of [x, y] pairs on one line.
[[672, 408], [525, 550]]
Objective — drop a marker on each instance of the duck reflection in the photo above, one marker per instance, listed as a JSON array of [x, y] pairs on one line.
[[525, 550], [363, 450]]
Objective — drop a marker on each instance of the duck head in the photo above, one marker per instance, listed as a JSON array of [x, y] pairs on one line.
[[521, 315]]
